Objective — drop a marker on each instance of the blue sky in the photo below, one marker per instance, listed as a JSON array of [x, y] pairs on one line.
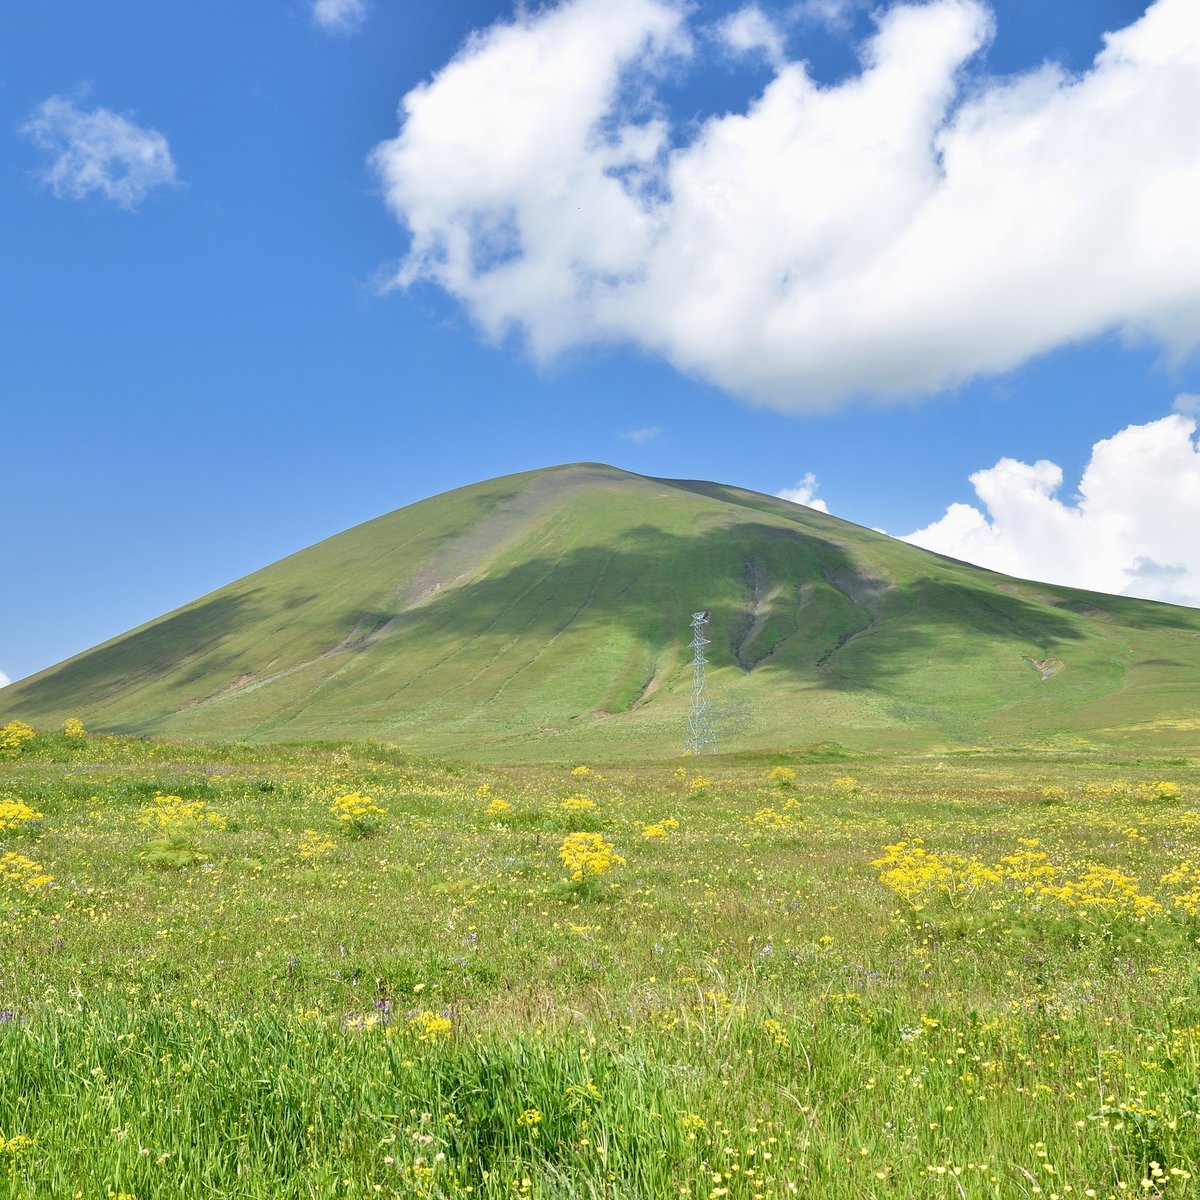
[[203, 368]]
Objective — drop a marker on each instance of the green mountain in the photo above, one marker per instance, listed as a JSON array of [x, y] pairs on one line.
[[546, 615]]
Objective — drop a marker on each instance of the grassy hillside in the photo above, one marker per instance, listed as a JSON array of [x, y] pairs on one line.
[[545, 615]]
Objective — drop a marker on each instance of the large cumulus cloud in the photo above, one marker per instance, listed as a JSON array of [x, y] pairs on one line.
[[913, 226], [1131, 528]]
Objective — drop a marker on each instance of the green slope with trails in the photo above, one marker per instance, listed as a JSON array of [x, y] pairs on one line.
[[546, 615]]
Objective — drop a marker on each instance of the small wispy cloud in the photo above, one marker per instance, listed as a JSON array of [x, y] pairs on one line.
[[639, 437], [340, 16], [1188, 404], [750, 31], [99, 151], [4, 680], [805, 492], [835, 15]]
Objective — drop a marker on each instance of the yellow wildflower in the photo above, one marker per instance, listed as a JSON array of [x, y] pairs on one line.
[[587, 854], [769, 818], [577, 804], [14, 813], [174, 814], [359, 813], [15, 734], [314, 845], [430, 1027], [661, 829], [19, 872]]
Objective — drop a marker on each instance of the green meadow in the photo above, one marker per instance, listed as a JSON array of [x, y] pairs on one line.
[[326, 970]]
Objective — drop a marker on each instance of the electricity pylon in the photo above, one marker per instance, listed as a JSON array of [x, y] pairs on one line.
[[701, 727]]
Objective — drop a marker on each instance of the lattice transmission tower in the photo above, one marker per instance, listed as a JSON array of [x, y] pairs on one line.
[[701, 726]]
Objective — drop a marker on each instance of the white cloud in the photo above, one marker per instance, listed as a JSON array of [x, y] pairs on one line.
[[1131, 529], [4, 680], [339, 16], [99, 151], [750, 30], [911, 227], [833, 14], [805, 493], [640, 437]]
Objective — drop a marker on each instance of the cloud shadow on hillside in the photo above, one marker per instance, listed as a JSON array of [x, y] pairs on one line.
[[650, 582]]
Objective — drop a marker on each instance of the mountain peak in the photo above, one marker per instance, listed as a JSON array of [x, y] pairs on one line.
[[546, 613]]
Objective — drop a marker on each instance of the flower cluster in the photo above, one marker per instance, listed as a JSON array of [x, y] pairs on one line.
[[14, 813], [175, 815], [1028, 868], [917, 876], [1187, 874], [1159, 789], [430, 1026], [1105, 890], [777, 1033], [661, 829], [587, 854], [73, 727], [781, 776], [314, 845], [358, 813], [18, 873], [577, 804], [771, 818], [15, 735], [1098, 894], [16, 1145]]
